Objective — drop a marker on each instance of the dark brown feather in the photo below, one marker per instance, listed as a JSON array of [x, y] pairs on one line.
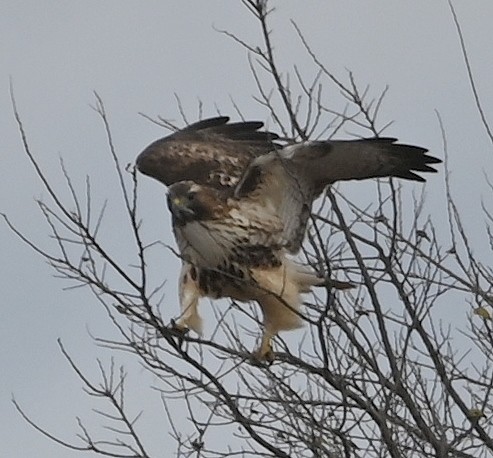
[[209, 152]]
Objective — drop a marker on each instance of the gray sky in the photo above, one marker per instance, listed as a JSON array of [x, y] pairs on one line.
[[137, 55]]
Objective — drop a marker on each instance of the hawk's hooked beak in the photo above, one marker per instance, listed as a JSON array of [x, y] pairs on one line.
[[178, 205]]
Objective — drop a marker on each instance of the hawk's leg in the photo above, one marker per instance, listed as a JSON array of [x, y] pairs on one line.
[[280, 314], [189, 293]]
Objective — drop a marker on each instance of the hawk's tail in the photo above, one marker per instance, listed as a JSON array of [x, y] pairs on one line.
[[337, 284]]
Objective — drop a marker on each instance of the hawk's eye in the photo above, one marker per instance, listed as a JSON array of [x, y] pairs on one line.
[[190, 196]]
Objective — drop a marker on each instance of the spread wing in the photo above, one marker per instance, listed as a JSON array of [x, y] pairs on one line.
[[211, 152], [289, 179]]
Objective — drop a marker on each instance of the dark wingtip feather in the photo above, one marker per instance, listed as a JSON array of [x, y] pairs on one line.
[[433, 160], [247, 131], [243, 131], [410, 159], [409, 176], [206, 124], [425, 168]]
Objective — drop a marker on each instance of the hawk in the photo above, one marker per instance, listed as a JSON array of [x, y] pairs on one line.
[[240, 203]]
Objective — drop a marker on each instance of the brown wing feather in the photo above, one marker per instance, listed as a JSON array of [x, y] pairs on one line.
[[210, 152], [290, 179], [331, 161]]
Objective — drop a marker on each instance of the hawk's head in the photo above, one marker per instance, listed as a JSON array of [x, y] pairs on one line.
[[189, 201]]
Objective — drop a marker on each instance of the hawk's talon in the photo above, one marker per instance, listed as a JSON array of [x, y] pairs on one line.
[[264, 354], [262, 360], [179, 328]]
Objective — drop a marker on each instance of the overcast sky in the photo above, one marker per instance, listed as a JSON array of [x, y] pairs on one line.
[[137, 55]]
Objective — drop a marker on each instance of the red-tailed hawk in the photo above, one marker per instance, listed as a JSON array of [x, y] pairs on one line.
[[240, 203]]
